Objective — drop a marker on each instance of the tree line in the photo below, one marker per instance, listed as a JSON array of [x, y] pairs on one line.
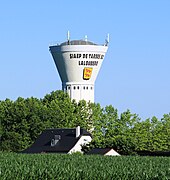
[[23, 120]]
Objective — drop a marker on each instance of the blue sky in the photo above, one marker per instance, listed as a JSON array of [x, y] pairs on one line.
[[135, 73]]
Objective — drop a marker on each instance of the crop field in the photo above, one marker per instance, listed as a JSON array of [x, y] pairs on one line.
[[58, 166]]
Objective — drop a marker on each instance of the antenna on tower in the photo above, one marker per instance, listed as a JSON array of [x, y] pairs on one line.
[[107, 40], [86, 38], [68, 37]]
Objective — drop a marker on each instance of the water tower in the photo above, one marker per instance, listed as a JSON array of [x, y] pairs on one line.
[[78, 63]]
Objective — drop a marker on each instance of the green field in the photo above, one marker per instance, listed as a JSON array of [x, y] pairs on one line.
[[55, 166]]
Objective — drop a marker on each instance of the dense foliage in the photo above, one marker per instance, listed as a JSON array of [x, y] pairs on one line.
[[56, 166], [23, 120]]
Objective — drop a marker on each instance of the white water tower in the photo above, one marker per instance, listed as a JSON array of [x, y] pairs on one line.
[[78, 63]]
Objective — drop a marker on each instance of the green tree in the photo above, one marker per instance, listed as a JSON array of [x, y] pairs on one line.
[[165, 132], [24, 119], [60, 110]]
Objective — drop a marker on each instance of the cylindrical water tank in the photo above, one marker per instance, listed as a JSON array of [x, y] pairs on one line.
[[78, 63]]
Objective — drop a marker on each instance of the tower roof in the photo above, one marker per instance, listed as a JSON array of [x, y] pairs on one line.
[[77, 42]]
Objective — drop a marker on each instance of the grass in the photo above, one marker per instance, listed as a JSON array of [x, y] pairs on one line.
[[60, 166]]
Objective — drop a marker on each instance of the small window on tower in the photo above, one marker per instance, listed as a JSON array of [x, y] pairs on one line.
[[91, 88], [87, 87], [84, 87], [68, 87], [77, 87], [74, 87]]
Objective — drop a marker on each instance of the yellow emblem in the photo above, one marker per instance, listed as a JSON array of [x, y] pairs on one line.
[[87, 73]]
